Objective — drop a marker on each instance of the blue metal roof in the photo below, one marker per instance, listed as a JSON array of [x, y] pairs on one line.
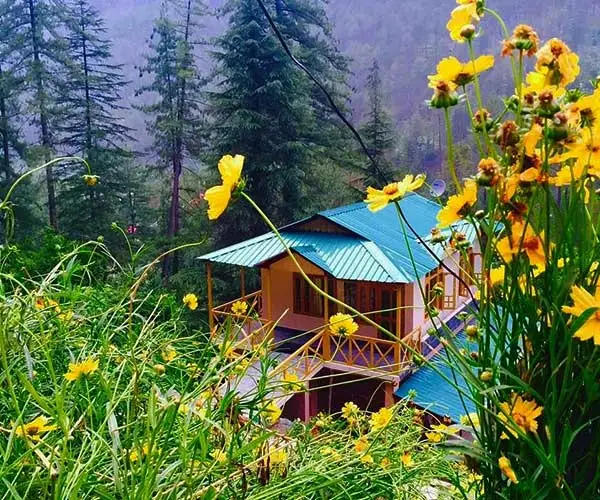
[[375, 247], [433, 392]]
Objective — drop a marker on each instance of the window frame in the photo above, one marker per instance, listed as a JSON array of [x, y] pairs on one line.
[[305, 299]]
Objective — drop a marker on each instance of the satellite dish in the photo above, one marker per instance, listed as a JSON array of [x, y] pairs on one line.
[[438, 187]]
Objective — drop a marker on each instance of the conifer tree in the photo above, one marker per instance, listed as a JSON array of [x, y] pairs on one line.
[[265, 108], [35, 43], [378, 131], [90, 126], [175, 115]]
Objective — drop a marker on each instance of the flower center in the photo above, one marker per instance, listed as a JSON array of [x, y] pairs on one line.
[[531, 243], [390, 189], [32, 430]]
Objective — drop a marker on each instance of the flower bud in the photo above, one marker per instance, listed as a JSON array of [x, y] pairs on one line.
[[434, 312], [159, 369], [437, 236], [508, 135], [482, 120], [444, 96], [486, 376], [468, 31], [472, 331]]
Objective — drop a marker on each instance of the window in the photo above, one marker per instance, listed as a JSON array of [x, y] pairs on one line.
[[435, 277], [306, 300], [369, 297], [467, 267]]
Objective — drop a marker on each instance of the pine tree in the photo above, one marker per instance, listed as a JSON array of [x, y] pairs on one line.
[[265, 108], [37, 46], [378, 132], [89, 125], [11, 88], [175, 116]]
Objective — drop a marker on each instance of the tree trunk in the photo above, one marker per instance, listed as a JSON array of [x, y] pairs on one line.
[[4, 131], [171, 262], [41, 98], [87, 151]]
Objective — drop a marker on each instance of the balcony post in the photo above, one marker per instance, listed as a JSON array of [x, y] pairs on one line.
[[243, 282], [326, 344], [209, 296]]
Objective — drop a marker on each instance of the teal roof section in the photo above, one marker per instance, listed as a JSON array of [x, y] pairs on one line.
[[435, 393], [374, 247]]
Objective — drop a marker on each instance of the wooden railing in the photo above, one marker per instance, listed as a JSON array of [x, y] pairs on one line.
[[304, 360], [252, 329]]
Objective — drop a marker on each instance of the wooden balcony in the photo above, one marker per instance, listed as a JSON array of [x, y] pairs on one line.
[[357, 353]]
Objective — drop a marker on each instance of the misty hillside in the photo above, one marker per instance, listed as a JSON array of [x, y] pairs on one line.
[[407, 37]]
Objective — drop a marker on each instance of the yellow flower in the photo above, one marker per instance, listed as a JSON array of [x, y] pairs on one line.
[[342, 324], [531, 138], [134, 455], [272, 412], [582, 301], [538, 83], [586, 151], [367, 459], [407, 460], [291, 381], [91, 180], [218, 197], [76, 370], [239, 307], [497, 275], [521, 412], [470, 419], [381, 419], [168, 354], [585, 111], [66, 316], [458, 205], [219, 456], [190, 301], [558, 63], [35, 428], [461, 16], [361, 444], [434, 437], [328, 451], [523, 239], [450, 69], [439, 432], [385, 463], [379, 198], [278, 457], [39, 303], [506, 468], [350, 411]]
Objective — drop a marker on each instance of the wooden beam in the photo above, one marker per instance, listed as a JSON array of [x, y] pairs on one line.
[[389, 395], [243, 282], [209, 295], [266, 289], [325, 300], [399, 311]]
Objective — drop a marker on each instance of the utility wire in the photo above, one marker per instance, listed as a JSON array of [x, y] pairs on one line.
[[360, 140]]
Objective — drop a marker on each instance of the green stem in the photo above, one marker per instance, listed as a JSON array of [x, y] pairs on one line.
[[450, 146], [486, 136], [472, 117]]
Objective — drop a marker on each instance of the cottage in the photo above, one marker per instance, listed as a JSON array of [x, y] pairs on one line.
[[370, 261]]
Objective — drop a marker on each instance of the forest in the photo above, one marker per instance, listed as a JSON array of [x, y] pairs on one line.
[[271, 249]]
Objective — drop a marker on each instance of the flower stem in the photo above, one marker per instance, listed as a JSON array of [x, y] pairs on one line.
[[450, 147]]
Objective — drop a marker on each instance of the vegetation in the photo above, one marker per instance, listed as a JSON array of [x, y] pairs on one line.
[[112, 385]]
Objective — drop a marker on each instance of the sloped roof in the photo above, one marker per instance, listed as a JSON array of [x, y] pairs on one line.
[[435, 393], [372, 246]]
